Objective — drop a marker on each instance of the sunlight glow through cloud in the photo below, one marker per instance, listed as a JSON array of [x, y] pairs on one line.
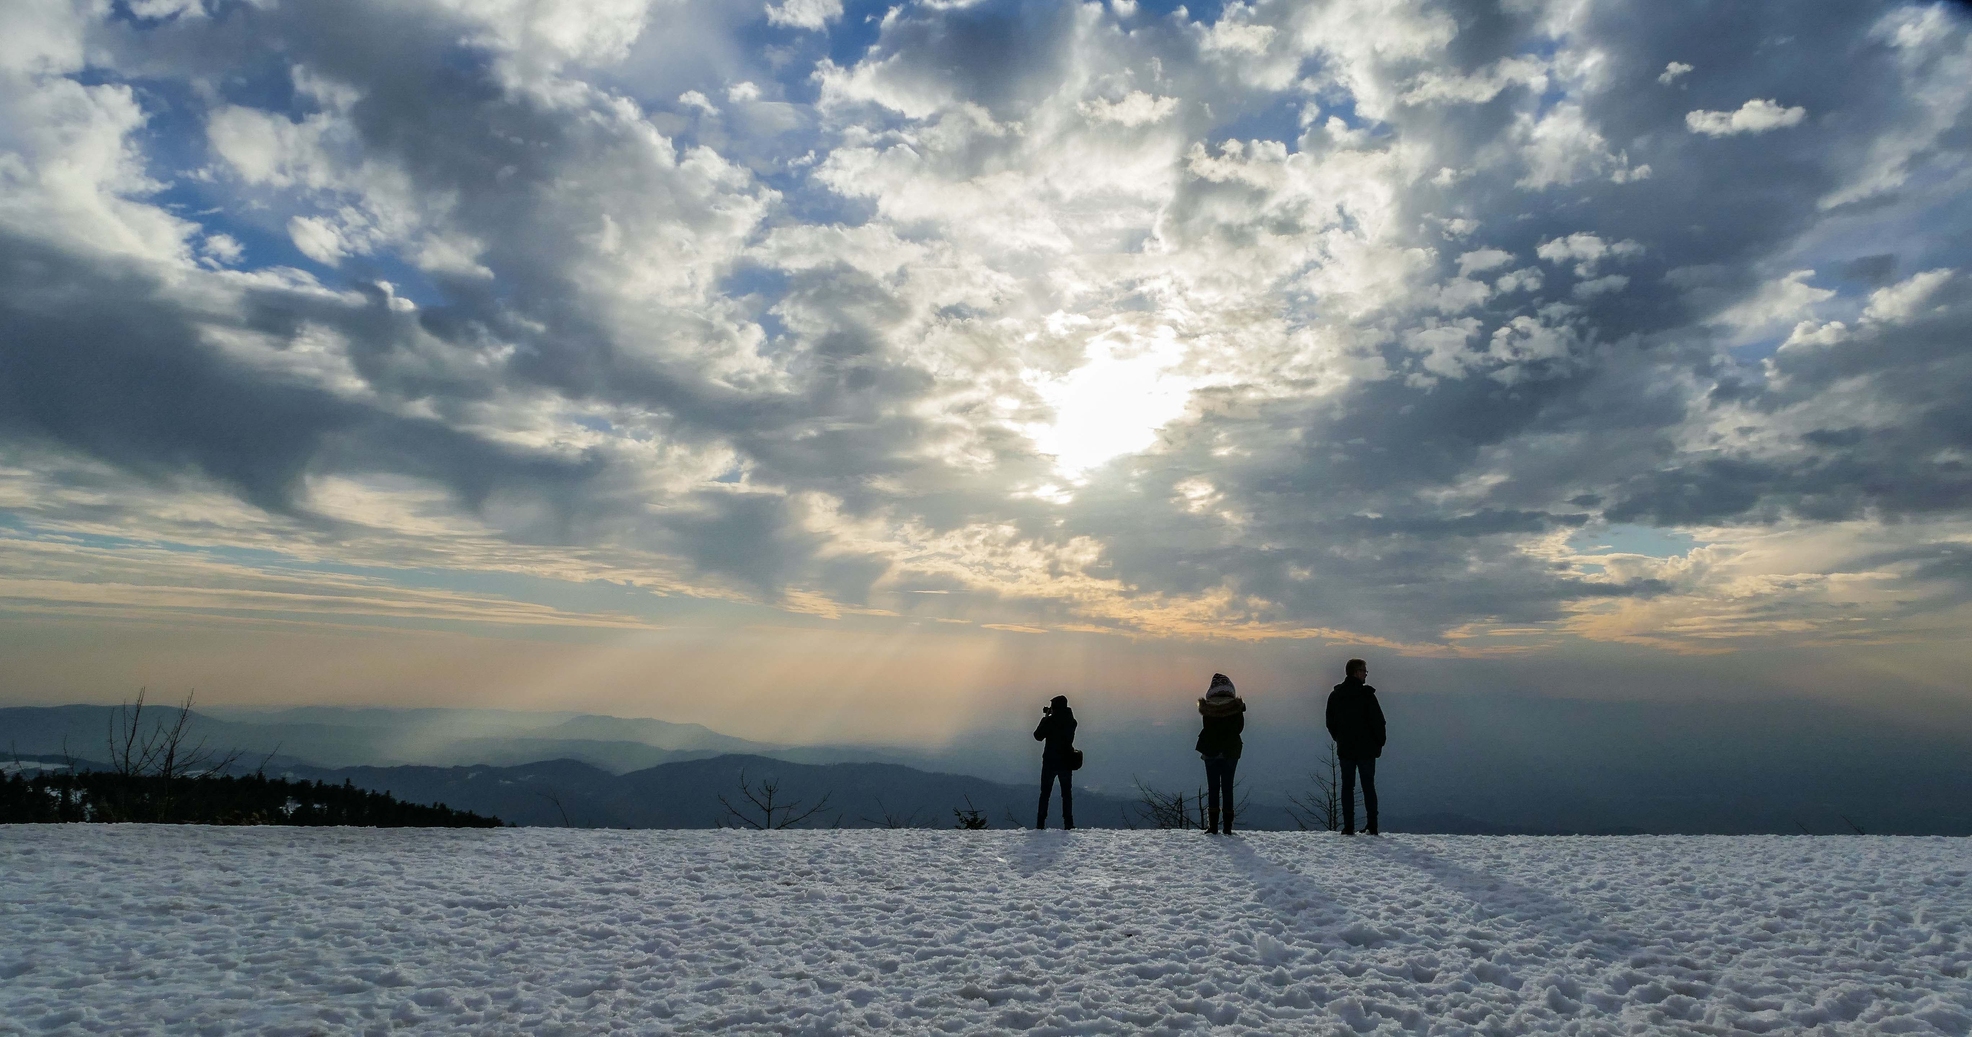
[[1114, 404]]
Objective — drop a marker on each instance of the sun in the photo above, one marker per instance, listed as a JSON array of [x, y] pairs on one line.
[[1126, 391]]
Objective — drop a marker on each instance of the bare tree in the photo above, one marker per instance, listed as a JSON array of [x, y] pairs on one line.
[[1319, 809], [158, 756], [765, 809], [164, 750], [1160, 809]]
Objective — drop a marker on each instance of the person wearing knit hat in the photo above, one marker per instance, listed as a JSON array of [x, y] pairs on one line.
[[1057, 729], [1219, 745]]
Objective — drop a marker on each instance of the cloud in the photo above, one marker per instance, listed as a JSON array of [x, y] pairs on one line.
[[804, 14], [1902, 302], [44, 579], [1563, 147], [1932, 60], [1600, 286], [1482, 259], [1328, 322], [1135, 109], [1755, 116], [1586, 251], [1782, 301]]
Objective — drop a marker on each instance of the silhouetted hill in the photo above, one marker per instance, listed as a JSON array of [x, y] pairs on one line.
[[685, 794]]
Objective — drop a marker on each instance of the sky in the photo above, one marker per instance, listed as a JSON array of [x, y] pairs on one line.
[[823, 369]]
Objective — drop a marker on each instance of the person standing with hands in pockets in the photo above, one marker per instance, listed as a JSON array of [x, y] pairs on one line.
[[1355, 721]]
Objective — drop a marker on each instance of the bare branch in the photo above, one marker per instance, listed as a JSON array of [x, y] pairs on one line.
[[889, 818], [132, 750], [267, 759], [1319, 809], [770, 812], [736, 815], [552, 797], [791, 818], [1161, 809]]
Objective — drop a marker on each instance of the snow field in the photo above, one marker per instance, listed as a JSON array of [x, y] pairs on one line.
[[147, 929]]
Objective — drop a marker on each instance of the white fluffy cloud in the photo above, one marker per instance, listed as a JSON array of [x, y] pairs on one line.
[[1586, 251], [804, 14], [1755, 116]]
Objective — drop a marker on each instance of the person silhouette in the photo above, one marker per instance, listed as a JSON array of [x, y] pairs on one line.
[[1219, 745], [1355, 721], [1057, 729]]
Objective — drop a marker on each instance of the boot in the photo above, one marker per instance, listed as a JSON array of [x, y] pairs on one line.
[[1212, 820], [1229, 818], [1349, 822], [1372, 824]]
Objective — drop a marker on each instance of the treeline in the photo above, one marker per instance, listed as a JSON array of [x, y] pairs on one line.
[[251, 799], [157, 773]]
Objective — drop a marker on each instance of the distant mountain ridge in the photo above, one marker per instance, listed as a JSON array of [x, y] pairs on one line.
[[686, 793], [331, 737], [569, 793], [1522, 763]]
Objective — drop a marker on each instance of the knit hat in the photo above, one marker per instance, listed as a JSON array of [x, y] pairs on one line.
[[1222, 687], [1059, 701]]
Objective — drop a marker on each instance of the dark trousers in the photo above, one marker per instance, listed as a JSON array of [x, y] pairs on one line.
[[1219, 792], [1367, 766], [1050, 770]]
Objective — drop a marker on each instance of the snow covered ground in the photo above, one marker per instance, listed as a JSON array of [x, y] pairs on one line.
[[281, 930]]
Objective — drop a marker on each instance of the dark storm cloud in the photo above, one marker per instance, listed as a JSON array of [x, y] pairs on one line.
[[98, 362]]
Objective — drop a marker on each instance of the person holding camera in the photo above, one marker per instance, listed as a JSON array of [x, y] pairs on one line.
[[1057, 729]]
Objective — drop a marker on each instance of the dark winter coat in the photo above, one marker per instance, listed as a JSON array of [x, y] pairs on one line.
[[1224, 720], [1058, 730], [1355, 721]]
